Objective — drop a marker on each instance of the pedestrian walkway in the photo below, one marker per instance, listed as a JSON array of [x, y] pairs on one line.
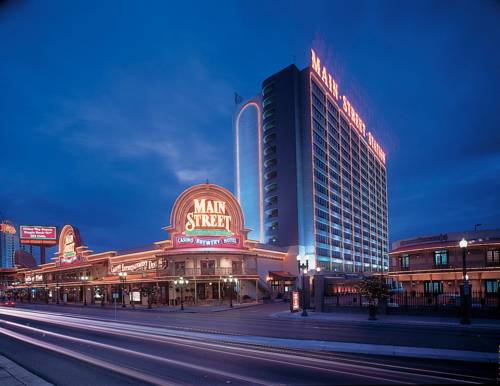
[[198, 308], [11, 374], [362, 317]]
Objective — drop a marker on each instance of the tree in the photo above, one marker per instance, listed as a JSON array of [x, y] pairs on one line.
[[375, 290]]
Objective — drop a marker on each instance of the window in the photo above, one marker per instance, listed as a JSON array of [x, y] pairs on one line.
[[208, 267], [491, 286], [405, 261], [237, 267], [441, 258], [493, 257], [180, 268], [433, 287]]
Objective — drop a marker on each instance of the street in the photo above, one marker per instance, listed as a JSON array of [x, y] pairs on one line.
[[81, 346]]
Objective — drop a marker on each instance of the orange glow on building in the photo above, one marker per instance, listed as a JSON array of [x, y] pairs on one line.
[[7, 228]]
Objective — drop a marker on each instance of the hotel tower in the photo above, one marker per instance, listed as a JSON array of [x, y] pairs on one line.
[[310, 176]]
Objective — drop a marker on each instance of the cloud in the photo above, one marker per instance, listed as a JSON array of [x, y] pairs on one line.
[[167, 125]]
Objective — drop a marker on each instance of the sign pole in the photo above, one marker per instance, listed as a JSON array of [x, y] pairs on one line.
[[42, 254]]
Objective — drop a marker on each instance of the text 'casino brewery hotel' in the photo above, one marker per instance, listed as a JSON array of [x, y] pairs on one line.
[[310, 176]]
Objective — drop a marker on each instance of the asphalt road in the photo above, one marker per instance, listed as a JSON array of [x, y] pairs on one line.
[[76, 350], [259, 321]]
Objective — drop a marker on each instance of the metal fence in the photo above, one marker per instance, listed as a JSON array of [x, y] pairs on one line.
[[401, 302]]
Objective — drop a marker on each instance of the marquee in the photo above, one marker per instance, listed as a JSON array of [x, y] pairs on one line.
[[207, 216]]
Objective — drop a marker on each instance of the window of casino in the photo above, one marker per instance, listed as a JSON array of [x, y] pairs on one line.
[[493, 257], [405, 262], [433, 287], [441, 258], [491, 286]]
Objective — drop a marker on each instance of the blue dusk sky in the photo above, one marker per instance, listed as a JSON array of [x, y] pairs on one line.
[[108, 110]]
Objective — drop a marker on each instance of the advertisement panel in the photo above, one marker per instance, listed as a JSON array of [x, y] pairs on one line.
[[37, 233], [295, 301]]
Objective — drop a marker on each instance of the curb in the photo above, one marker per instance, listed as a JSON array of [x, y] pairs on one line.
[[369, 349], [286, 315], [20, 374]]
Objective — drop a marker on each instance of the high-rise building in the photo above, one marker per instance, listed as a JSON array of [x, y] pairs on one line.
[[322, 178], [7, 244]]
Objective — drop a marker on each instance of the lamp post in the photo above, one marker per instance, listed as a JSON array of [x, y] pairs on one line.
[[181, 282], [84, 278], [123, 279], [466, 288], [14, 291], [303, 267], [232, 282]]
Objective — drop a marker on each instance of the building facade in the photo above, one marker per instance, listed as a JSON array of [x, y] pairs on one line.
[[7, 244], [323, 175], [434, 264], [207, 245]]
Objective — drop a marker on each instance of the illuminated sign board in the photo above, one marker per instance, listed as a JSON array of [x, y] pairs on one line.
[[35, 232], [295, 301], [70, 246], [139, 266], [358, 123], [207, 216]]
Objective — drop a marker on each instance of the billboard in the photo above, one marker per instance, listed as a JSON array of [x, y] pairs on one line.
[[33, 234]]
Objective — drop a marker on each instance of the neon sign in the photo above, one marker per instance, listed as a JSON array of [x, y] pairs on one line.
[[349, 110], [355, 118], [208, 242], [208, 218], [376, 147], [325, 76]]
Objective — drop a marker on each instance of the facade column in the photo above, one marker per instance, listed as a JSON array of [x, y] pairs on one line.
[[218, 283], [256, 290], [195, 291]]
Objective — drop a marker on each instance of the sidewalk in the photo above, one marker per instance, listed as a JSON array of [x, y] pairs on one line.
[[200, 308], [11, 374], [358, 317]]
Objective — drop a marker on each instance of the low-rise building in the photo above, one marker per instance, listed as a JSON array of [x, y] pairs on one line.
[[434, 264], [207, 245]]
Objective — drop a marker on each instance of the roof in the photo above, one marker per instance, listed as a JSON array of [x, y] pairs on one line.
[[445, 244]]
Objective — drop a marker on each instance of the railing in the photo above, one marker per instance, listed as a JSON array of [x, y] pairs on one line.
[[219, 271], [418, 300]]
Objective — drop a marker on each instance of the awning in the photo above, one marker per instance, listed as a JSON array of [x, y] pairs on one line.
[[281, 275]]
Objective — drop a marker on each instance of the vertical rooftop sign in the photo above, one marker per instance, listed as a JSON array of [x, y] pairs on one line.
[[332, 86]]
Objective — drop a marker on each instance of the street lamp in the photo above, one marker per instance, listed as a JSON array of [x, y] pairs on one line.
[[465, 289], [123, 279], [14, 291], [303, 268], [84, 279], [232, 282], [181, 282]]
